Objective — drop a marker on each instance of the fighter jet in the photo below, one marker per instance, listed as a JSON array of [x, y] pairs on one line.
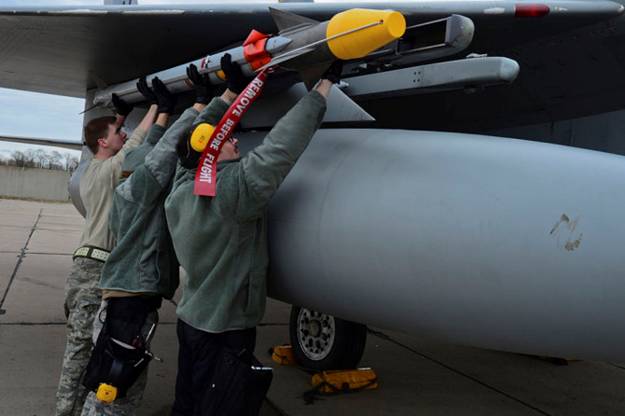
[[451, 192]]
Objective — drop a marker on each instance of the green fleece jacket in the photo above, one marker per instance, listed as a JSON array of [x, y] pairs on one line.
[[221, 242], [143, 260]]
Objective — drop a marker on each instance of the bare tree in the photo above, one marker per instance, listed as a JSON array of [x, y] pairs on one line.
[[20, 158], [39, 158], [54, 160]]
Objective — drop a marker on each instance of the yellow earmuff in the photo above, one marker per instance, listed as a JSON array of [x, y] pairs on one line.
[[200, 136]]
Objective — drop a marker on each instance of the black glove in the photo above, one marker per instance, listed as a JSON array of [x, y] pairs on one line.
[[121, 107], [202, 85], [333, 73], [235, 79], [148, 94], [164, 99]]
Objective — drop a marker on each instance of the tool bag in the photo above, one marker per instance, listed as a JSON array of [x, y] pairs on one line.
[[238, 387], [121, 352]]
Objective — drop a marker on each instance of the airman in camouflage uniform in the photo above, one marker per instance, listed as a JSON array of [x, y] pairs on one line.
[[108, 143]]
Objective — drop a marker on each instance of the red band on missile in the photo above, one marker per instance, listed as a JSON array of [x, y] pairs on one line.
[[205, 183], [254, 49]]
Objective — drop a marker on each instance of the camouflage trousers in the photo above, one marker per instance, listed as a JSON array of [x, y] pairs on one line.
[[129, 404], [82, 299]]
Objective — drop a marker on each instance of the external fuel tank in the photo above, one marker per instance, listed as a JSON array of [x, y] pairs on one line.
[[485, 241]]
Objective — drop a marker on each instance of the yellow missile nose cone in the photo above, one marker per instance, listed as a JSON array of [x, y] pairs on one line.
[[200, 136], [391, 26]]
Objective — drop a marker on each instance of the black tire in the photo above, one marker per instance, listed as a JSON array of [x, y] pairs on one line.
[[344, 351]]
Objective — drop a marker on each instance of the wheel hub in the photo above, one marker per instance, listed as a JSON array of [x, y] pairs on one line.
[[315, 333]]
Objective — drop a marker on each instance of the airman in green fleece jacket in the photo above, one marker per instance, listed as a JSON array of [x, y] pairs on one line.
[[221, 242], [142, 261]]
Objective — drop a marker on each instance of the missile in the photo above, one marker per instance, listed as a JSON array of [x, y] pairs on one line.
[[302, 44]]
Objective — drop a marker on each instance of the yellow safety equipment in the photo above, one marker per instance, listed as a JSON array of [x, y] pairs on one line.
[[200, 136], [283, 355], [106, 393], [330, 382]]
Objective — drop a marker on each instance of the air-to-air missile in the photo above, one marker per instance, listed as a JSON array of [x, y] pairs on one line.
[[303, 45]]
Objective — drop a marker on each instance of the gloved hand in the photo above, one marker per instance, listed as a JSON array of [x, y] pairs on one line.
[[333, 73], [235, 79], [121, 107], [201, 82], [148, 94], [164, 99]]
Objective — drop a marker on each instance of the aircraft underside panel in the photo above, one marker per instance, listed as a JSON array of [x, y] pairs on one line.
[[484, 241]]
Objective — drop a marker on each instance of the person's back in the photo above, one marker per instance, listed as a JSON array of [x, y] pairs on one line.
[[97, 186], [221, 242]]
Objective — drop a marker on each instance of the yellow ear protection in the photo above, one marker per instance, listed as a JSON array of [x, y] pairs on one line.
[[200, 136]]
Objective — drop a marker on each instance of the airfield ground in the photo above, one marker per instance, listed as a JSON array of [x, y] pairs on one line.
[[417, 376]]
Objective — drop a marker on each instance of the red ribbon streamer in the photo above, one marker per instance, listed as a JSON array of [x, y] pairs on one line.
[[205, 183]]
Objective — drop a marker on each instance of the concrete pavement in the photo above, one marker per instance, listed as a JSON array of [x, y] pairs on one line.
[[417, 376]]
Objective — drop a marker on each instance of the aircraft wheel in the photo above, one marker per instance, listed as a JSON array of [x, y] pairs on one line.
[[323, 342]]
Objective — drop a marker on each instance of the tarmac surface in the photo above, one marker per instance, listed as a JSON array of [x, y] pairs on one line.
[[417, 376]]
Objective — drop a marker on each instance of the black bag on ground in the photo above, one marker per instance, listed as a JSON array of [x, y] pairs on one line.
[[120, 353], [239, 385]]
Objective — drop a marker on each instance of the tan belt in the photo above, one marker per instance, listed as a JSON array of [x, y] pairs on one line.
[[93, 253]]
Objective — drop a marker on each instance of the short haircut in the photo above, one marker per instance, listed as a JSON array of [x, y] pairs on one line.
[[95, 129]]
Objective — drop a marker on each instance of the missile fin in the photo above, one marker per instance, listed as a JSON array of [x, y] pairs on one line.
[[341, 108], [286, 21]]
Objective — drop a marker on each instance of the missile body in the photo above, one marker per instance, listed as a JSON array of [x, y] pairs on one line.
[[490, 242], [302, 45]]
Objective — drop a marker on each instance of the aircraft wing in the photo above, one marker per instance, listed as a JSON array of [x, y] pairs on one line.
[[66, 144], [68, 50]]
